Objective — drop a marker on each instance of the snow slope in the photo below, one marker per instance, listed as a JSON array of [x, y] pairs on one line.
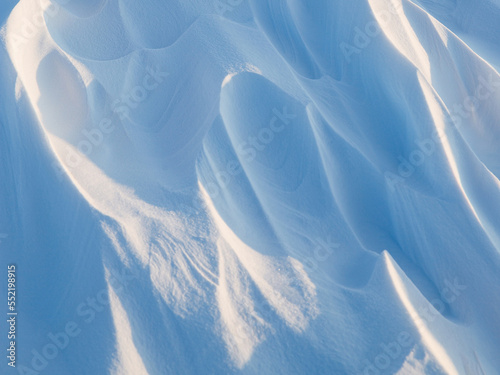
[[252, 186]]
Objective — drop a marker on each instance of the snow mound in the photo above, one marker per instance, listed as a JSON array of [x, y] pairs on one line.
[[253, 186]]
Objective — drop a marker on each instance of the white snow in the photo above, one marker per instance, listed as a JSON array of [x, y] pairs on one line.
[[252, 186]]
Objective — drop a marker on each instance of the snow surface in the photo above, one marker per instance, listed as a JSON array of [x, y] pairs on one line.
[[252, 186]]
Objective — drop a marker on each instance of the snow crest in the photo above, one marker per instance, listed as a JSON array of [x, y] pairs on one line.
[[295, 187]]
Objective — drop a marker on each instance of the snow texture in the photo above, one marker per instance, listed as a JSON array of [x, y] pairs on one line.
[[252, 186]]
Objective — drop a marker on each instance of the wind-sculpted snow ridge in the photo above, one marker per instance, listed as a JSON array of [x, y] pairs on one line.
[[253, 186]]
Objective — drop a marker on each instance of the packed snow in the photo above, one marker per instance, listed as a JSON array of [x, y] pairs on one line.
[[251, 186]]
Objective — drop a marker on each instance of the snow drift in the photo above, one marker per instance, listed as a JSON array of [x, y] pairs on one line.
[[253, 186]]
